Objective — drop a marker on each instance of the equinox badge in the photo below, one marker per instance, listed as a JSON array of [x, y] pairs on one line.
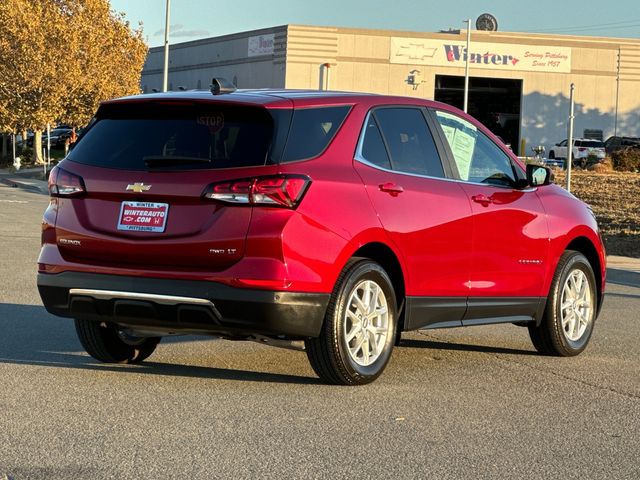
[[138, 187]]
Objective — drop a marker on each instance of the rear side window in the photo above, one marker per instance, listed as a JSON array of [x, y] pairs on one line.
[[165, 136], [373, 149], [312, 129], [409, 140]]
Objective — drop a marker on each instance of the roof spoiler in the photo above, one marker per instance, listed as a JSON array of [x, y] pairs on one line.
[[221, 85]]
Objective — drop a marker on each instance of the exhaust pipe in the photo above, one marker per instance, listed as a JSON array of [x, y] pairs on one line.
[[297, 345]]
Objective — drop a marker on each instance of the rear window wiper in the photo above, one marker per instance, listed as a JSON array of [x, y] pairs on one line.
[[163, 161]]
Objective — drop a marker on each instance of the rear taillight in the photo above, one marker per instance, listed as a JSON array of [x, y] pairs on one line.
[[278, 190], [582, 149], [65, 184]]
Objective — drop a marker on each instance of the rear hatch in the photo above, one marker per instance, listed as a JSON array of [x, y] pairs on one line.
[[142, 169], [587, 148]]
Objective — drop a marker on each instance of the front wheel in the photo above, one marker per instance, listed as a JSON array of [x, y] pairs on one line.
[[570, 313], [359, 328], [110, 344]]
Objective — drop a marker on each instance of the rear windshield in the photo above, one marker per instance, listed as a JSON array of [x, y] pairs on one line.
[[203, 136], [135, 137], [589, 143]]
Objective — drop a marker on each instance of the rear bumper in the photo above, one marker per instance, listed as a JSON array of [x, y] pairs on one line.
[[182, 306]]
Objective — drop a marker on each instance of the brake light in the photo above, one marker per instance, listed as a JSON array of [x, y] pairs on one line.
[[65, 184], [278, 191]]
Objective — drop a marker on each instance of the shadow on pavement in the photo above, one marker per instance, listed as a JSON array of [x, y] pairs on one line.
[[623, 277], [31, 336], [431, 344]]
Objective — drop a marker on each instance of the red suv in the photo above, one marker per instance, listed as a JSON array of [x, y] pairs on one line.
[[325, 221]]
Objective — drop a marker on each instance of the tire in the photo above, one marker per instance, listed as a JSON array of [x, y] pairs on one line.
[[352, 350], [565, 332], [552, 155], [106, 343]]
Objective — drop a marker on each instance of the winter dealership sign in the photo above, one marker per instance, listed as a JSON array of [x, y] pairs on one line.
[[500, 56], [261, 45]]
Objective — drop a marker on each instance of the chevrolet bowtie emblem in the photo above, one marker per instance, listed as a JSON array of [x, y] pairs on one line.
[[138, 187]]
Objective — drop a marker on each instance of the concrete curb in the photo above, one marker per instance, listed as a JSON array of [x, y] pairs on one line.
[[36, 186], [623, 263]]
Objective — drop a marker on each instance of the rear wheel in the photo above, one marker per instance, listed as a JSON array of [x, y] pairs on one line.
[[552, 155], [570, 313], [359, 328], [108, 343]]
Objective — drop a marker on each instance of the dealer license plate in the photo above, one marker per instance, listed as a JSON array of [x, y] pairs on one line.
[[143, 216]]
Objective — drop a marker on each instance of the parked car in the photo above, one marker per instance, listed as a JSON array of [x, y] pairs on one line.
[[584, 149], [58, 136], [554, 162], [613, 144], [323, 221], [29, 139]]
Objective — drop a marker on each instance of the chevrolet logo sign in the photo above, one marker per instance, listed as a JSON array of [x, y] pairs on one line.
[[138, 187]]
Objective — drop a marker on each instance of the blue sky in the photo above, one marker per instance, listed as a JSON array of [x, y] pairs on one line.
[[193, 19]]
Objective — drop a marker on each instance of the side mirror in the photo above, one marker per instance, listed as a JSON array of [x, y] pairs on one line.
[[538, 175]]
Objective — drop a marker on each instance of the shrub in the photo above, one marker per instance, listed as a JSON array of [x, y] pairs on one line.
[[627, 160], [604, 167]]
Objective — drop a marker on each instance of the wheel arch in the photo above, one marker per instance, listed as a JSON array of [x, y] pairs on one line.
[[586, 247], [388, 260]]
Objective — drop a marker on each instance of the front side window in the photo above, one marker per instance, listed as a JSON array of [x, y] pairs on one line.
[[478, 159], [409, 141]]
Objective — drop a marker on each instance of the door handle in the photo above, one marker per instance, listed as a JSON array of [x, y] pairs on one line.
[[391, 188], [482, 199]]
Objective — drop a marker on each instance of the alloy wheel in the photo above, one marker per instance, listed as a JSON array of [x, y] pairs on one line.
[[366, 325], [576, 308]]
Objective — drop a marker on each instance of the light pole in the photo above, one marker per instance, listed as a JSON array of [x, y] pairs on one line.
[[570, 139], [615, 123], [165, 76], [466, 67]]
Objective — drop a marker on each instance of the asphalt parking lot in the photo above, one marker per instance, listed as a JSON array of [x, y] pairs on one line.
[[472, 403]]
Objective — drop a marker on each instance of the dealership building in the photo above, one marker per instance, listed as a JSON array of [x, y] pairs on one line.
[[519, 82]]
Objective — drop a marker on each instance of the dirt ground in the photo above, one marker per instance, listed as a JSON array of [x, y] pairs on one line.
[[615, 199]]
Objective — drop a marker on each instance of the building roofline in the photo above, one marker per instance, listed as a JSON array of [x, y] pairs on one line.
[[462, 33], [499, 36], [222, 38]]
